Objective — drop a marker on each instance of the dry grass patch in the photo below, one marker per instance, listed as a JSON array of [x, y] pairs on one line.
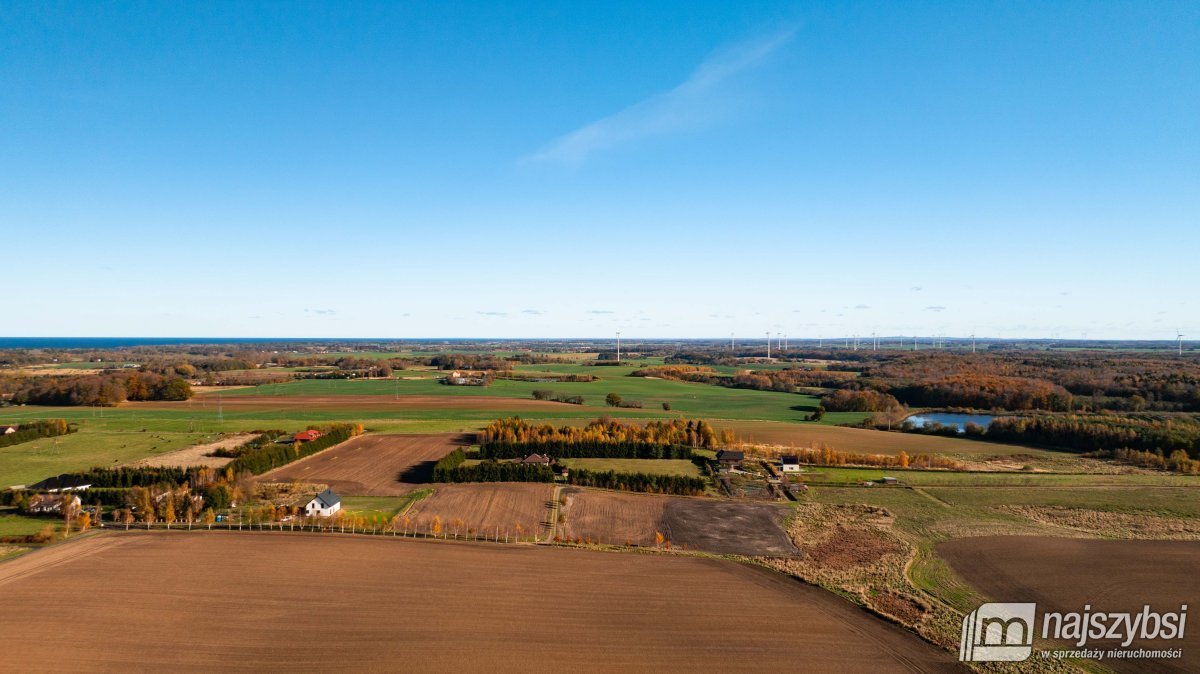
[[1113, 525]]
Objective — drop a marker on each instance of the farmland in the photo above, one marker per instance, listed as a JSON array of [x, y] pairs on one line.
[[879, 547], [520, 510], [497, 594], [1062, 574], [376, 465], [709, 525]]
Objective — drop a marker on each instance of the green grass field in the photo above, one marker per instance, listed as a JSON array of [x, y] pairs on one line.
[[12, 524], [386, 506], [682, 467]]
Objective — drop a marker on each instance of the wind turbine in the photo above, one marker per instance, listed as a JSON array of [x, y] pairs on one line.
[[768, 345], [972, 341], [1179, 339], [618, 347], [731, 346]]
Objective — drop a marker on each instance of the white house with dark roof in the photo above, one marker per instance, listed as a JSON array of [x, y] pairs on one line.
[[324, 504]]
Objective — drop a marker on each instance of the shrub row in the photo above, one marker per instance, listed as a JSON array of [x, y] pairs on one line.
[[595, 449]]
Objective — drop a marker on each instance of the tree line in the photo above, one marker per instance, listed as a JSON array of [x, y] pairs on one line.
[[1090, 432], [268, 456], [644, 482], [451, 468], [99, 389], [27, 432], [514, 431]]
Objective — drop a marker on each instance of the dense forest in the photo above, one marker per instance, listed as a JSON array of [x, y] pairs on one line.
[[99, 389]]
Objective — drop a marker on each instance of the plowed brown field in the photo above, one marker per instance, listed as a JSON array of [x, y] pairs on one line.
[[1065, 574], [373, 465], [487, 507], [711, 525], [272, 602]]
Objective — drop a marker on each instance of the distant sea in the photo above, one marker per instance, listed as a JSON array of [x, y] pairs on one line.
[[117, 342]]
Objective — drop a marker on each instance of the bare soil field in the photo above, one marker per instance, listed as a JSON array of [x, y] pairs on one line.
[[1065, 574], [373, 465], [719, 526], [487, 508], [196, 455], [232, 404], [860, 440], [151, 601]]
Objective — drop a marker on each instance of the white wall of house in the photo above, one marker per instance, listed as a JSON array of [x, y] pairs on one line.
[[314, 508]]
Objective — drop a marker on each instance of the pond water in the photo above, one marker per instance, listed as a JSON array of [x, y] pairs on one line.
[[949, 419]]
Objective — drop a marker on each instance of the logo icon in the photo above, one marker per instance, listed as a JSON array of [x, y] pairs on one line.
[[997, 633]]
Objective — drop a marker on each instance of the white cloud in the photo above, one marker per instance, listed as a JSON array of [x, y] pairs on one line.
[[694, 103]]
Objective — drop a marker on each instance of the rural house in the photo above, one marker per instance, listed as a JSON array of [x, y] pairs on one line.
[[306, 436], [789, 464], [51, 503], [64, 482], [537, 459], [5, 430], [324, 504], [729, 458]]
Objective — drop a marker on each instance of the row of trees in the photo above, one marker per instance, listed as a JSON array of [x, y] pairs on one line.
[[451, 468], [645, 482], [100, 389], [46, 428], [544, 394], [269, 456], [514, 432], [1178, 461], [1090, 432]]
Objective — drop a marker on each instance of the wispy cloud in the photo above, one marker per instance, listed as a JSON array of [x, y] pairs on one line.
[[935, 308], [692, 104], [600, 311], [323, 312], [492, 313], [532, 312]]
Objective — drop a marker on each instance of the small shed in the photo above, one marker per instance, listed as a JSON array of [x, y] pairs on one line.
[[6, 430], [789, 464], [888, 480], [306, 436]]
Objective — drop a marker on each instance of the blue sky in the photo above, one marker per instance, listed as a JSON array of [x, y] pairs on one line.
[[664, 169]]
